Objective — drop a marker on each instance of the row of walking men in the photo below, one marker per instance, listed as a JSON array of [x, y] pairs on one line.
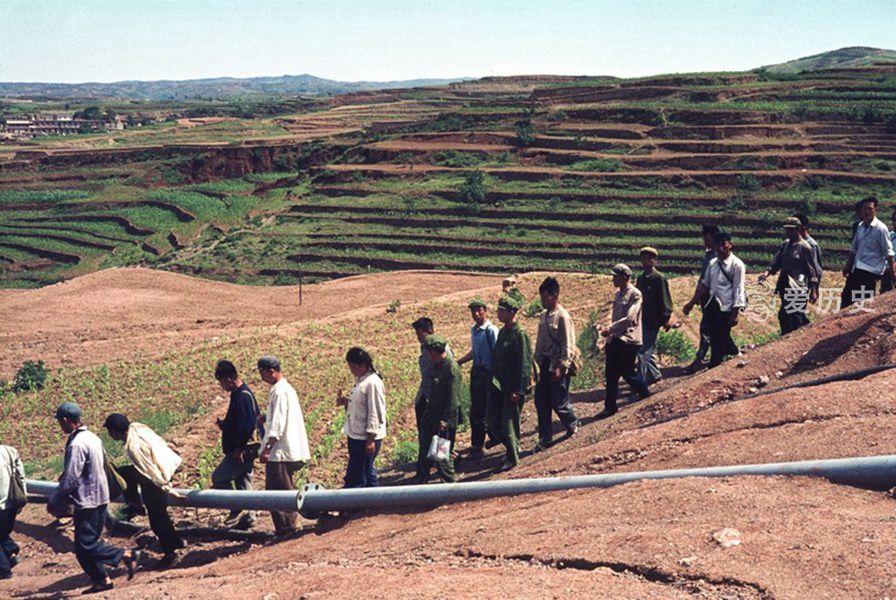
[[505, 371]]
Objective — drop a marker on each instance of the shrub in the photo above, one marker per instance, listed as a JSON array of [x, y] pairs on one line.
[[525, 132], [393, 306], [674, 345], [281, 163], [473, 190], [748, 184], [736, 203], [590, 373], [809, 206], [602, 165], [405, 452], [31, 376], [534, 308], [453, 158]]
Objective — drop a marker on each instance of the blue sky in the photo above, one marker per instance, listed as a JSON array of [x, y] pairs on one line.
[[92, 40]]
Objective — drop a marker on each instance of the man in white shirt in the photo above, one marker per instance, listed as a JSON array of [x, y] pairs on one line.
[[154, 464], [724, 285], [624, 336], [870, 257], [284, 449]]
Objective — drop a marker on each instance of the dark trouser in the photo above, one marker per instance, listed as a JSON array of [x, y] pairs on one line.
[[704, 337], [649, 370], [793, 320], [132, 479], [857, 287], [279, 476], [234, 474], [422, 439], [886, 284], [156, 501], [621, 363], [481, 390], [720, 341], [360, 471], [93, 555], [504, 423], [445, 469], [552, 396], [8, 548]]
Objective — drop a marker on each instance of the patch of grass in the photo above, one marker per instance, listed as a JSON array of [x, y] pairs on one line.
[[602, 165], [674, 346]]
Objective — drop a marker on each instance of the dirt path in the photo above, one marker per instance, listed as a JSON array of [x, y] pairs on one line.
[[143, 312]]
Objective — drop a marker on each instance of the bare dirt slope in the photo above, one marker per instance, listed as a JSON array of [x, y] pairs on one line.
[[120, 312], [799, 537]]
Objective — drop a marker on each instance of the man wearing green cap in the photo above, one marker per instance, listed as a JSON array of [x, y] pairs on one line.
[[483, 336], [424, 327], [440, 415], [798, 280], [513, 373], [656, 312]]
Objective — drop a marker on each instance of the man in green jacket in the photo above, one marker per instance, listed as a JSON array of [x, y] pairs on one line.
[[440, 416], [513, 376], [656, 312]]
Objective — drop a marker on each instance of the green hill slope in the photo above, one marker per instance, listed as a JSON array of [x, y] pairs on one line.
[[856, 56]]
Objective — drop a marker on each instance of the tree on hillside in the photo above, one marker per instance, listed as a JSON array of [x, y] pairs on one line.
[[473, 191], [91, 113], [525, 131]]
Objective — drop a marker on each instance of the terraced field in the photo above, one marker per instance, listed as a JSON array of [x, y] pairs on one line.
[[523, 175]]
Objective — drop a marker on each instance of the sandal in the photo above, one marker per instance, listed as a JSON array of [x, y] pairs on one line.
[[131, 563]]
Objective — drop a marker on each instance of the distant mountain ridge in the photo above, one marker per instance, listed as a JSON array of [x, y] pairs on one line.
[[208, 89], [855, 56]]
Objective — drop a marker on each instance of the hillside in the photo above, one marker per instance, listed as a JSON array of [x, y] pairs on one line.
[[553, 174], [800, 537], [857, 56], [206, 89]]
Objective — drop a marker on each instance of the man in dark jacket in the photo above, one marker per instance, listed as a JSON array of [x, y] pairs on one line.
[[513, 373], [237, 428], [440, 416], [798, 280], [656, 312]]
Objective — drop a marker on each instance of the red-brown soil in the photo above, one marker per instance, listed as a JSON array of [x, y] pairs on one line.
[[144, 312], [800, 537]]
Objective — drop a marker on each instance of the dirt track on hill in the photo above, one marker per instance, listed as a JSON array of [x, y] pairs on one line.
[[142, 312]]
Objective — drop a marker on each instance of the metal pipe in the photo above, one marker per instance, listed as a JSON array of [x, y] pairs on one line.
[[227, 499], [873, 472], [876, 473]]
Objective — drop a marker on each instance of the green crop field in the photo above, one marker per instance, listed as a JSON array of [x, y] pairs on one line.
[[570, 176]]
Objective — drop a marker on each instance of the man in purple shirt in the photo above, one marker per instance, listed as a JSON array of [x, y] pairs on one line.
[[84, 485]]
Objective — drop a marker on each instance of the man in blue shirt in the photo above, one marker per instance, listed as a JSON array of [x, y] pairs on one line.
[[237, 427], [483, 336]]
